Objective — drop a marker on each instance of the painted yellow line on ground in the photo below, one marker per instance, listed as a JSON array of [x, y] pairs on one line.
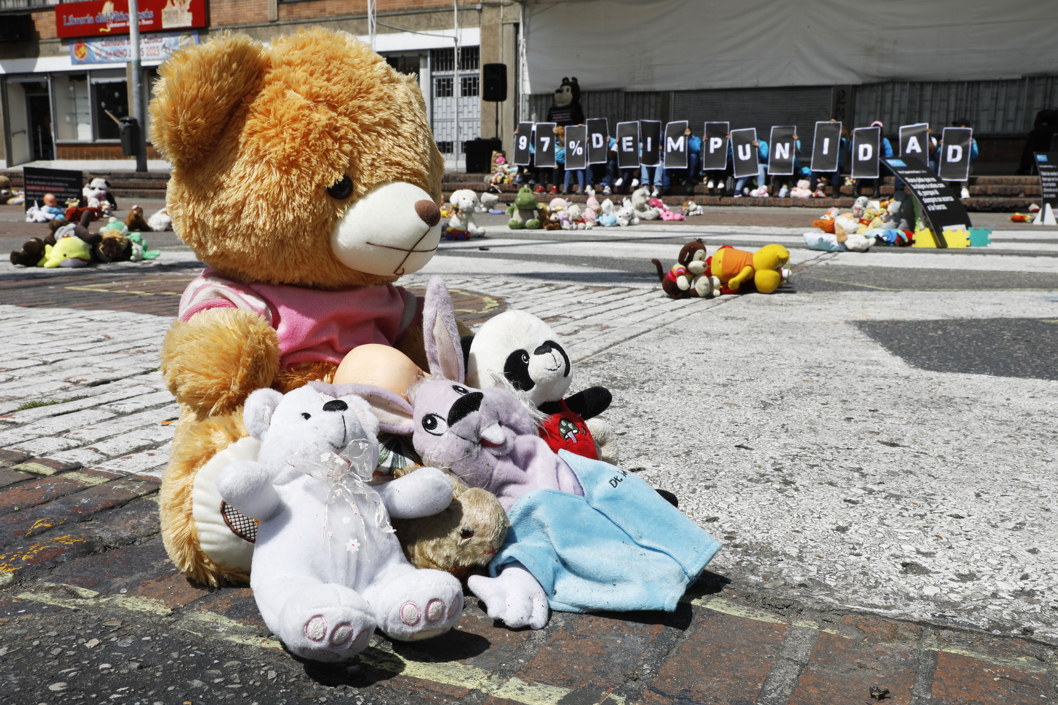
[[446, 673]]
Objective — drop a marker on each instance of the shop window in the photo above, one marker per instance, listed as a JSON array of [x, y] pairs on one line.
[[73, 110], [110, 102]]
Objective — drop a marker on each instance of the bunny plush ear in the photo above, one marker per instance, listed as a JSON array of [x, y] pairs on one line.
[[393, 412], [444, 351]]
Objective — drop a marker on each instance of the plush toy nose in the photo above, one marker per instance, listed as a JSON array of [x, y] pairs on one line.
[[335, 405], [429, 212], [464, 406]]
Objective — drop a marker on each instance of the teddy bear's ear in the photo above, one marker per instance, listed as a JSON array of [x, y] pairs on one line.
[[444, 351], [200, 88], [257, 412]]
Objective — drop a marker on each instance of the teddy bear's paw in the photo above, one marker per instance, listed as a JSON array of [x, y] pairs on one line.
[[418, 605], [515, 597], [325, 623]]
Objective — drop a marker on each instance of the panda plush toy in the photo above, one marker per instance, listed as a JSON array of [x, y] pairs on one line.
[[518, 348]]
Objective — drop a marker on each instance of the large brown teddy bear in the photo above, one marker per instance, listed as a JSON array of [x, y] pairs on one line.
[[306, 178]]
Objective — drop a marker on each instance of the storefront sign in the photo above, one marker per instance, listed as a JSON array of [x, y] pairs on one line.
[[101, 18], [66, 185], [109, 50]]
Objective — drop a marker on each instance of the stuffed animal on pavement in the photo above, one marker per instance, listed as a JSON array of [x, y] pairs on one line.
[[464, 204], [70, 251], [98, 190], [663, 211], [584, 534], [626, 216], [641, 205], [160, 221], [766, 268], [487, 202], [518, 349], [31, 254], [291, 284], [327, 569], [524, 212], [688, 276], [135, 222]]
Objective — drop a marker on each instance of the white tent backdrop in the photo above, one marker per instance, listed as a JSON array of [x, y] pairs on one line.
[[670, 45]]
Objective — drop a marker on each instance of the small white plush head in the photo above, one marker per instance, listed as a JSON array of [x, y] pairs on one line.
[[464, 199], [523, 350], [311, 415]]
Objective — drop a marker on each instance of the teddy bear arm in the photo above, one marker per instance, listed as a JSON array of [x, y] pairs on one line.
[[247, 486], [590, 402], [212, 362], [425, 492]]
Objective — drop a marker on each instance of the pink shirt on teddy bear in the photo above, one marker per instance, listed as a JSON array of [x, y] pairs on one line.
[[312, 325]]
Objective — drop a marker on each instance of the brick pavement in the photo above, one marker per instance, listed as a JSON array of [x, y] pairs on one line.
[[79, 475]]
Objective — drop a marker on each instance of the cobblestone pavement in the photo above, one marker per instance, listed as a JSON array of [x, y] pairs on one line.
[[91, 609]]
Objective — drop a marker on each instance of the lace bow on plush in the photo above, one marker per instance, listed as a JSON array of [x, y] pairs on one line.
[[349, 497]]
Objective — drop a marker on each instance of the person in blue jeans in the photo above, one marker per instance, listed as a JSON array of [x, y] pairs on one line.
[[887, 153], [741, 189], [661, 178]]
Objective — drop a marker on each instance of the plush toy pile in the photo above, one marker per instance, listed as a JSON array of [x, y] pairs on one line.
[[72, 244], [727, 271], [310, 430], [868, 223]]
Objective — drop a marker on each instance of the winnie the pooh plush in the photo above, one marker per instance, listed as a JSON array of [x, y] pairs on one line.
[[305, 176], [766, 268]]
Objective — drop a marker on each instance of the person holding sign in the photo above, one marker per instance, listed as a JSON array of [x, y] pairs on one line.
[[694, 151], [838, 146], [949, 156], [741, 189], [887, 153], [576, 158]]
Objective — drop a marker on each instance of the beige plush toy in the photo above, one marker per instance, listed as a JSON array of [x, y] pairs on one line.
[[306, 177]]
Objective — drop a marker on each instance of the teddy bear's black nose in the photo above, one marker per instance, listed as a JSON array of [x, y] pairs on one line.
[[428, 211], [335, 405]]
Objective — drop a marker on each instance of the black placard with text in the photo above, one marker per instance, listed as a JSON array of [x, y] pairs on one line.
[[627, 145], [676, 145], [940, 205], [781, 150], [826, 147], [914, 142], [521, 144], [598, 140], [865, 144], [65, 184], [1047, 165], [954, 154], [544, 143], [714, 146], [744, 153], [650, 134], [576, 153]]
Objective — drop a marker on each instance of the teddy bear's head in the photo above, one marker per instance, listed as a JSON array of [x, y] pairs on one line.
[[568, 92], [309, 162]]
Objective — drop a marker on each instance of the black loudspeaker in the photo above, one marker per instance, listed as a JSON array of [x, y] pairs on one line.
[[495, 79]]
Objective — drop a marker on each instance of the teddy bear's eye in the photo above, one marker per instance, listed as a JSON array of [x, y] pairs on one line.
[[466, 533], [525, 357], [341, 189], [306, 415], [460, 390], [434, 424]]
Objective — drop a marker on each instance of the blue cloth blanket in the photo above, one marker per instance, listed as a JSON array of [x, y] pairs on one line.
[[620, 547]]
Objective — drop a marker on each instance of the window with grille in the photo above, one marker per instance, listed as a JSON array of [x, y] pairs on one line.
[[443, 60], [468, 86], [442, 88], [445, 147]]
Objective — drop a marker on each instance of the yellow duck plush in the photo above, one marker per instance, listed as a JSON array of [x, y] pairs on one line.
[[306, 177]]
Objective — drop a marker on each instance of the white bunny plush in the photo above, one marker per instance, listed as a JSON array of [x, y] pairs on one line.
[[327, 569]]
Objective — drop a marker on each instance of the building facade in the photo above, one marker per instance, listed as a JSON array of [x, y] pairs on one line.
[[64, 70]]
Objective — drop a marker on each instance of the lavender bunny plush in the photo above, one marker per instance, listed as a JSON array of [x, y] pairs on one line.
[[327, 568], [584, 534]]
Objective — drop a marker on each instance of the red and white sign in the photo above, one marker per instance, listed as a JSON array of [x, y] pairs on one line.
[[102, 18]]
